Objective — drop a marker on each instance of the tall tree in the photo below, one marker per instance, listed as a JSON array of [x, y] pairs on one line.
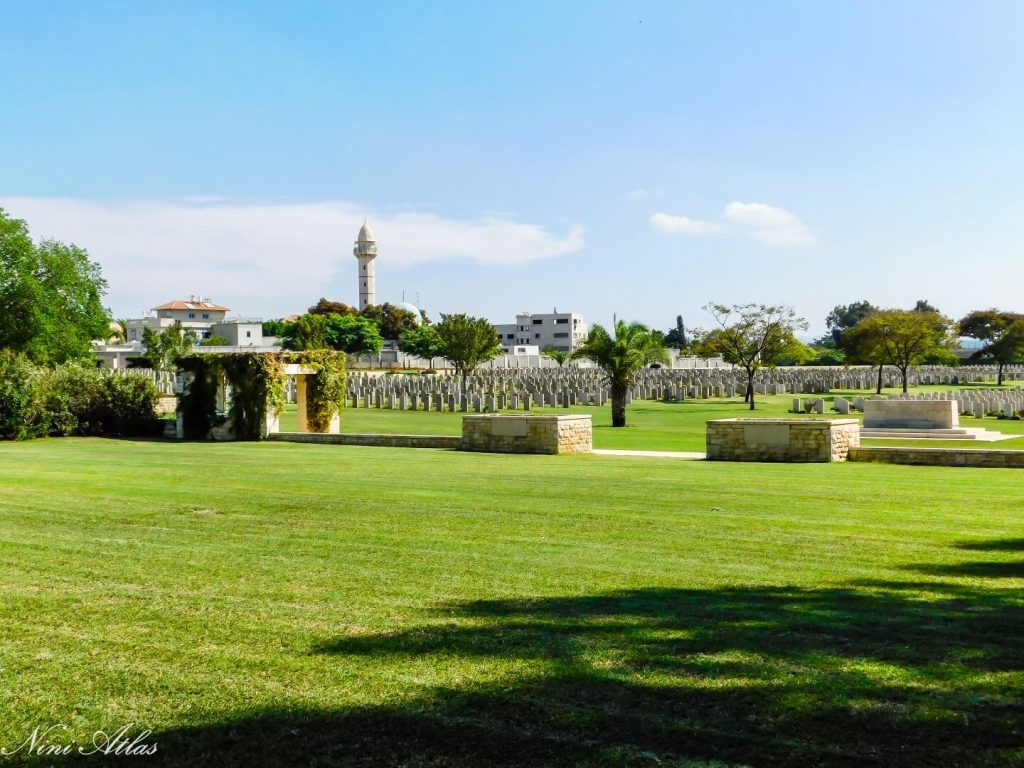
[[676, 337], [466, 342], [422, 342], [50, 297], [844, 316], [390, 320], [907, 338], [633, 347], [991, 326], [163, 348], [307, 331], [353, 334], [863, 345], [923, 305], [751, 336]]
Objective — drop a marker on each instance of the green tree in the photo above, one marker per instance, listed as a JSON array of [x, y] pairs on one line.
[[466, 342], [163, 349], [422, 342], [327, 307], [676, 337], [306, 332], [991, 326], [863, 345], [903, 338], [751, 336], [353, 334], [844, 316], [390, 320], [276, 328], [556, 354], [923, 305], [634, 347], [119, 331], [50, 297]]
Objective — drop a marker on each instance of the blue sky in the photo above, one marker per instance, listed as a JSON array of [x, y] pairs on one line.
[[638, 158]]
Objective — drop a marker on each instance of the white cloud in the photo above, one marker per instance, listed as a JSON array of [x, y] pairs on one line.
[[684, 225], [260, 254], [767, 223]]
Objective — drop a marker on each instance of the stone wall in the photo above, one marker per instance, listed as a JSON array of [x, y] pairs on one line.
[[790, 440], [941, 457], [527, 434], [382, 441]]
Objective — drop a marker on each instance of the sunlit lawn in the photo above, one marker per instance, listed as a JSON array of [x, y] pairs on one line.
[[285, 604]]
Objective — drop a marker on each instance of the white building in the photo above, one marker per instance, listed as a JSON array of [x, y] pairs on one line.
[[365, 251], [194, 314], [564, 331]]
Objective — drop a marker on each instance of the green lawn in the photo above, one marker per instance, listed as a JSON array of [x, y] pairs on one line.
[[283, 604], [650, 425]]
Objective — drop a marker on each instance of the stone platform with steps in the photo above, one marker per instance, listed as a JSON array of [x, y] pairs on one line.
[[956, 433]]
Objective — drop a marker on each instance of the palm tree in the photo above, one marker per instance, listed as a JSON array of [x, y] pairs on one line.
[[633, 347], [556, 354], [119, 331]]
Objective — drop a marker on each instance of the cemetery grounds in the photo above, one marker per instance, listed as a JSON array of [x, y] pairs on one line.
[[287, 604]]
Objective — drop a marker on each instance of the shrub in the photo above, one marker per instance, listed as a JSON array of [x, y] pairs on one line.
[[73, 399], [22, 415]]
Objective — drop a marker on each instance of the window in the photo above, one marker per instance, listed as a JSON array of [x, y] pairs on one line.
[[192, 315], [537, 320], [206, 315], [562, 320], [248, 334], [536, 335], [510, 336], [561, 335]]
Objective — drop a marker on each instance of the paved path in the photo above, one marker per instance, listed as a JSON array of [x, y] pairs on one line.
[[654, 454]]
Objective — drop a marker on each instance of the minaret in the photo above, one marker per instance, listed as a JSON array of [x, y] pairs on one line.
[[366, 252]]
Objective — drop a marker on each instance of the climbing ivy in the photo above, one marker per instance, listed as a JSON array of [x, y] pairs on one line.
[[325, 392]]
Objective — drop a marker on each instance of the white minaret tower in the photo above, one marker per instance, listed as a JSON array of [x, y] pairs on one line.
[[366, 252]]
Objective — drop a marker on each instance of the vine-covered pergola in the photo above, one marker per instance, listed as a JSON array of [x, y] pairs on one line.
[[240, 396]]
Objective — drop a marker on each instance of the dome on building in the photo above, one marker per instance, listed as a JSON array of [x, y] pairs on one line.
[[408, 306], [365, 234]]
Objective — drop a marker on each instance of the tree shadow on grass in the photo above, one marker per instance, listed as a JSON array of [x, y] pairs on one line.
[[986, 569], [879, 674]]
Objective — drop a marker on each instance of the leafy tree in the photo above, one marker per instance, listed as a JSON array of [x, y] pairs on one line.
[[346, 333], [1009, 348], [466, 342], [751, 336], [794, 353], [50, 297], [863, 345], [422, 342], [633, 347], [276, 328], [904, 338], [676, 337], [215, 341], [991, 326], [325, 307], [556, 354], [922, 305], [844, 316], [307, 331], [162, 349], [391, 321], [352, 334]]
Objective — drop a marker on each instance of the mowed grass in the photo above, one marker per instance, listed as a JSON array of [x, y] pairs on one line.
[[653, 425], [287, 604]]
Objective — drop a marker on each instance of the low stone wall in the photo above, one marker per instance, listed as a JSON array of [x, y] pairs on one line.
[[940, 457], [381, 441], [790, 440], [527, 434]]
